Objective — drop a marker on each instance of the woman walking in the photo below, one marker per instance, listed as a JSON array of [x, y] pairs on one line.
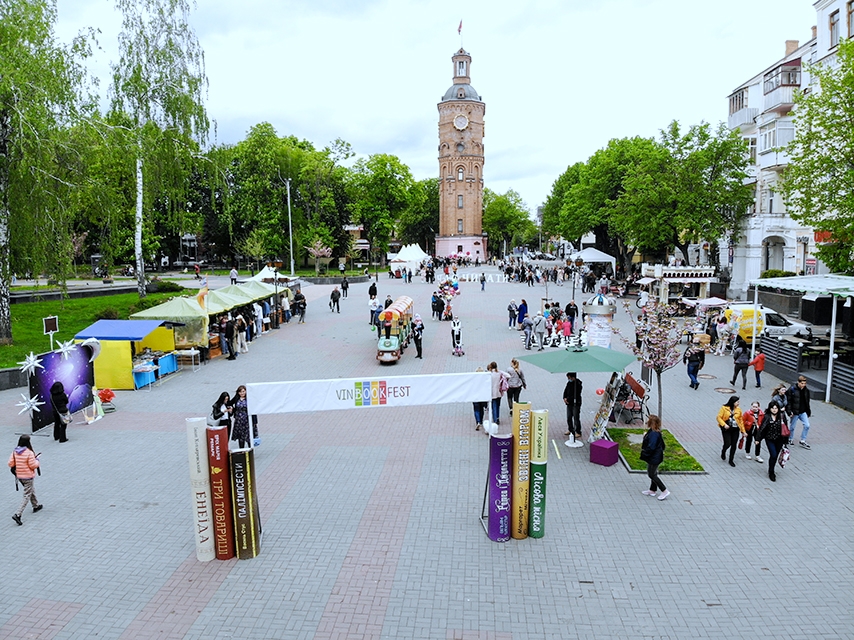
[[24, 463], [752, 422], [521, 312], [60, 409], [516, 383], [221, 413], [240, 414], [499, 385], [652, 452], [730, 422], [772, 430]]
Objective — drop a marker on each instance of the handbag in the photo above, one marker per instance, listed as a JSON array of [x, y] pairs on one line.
[[784, 429], [65, 418], [741, 442], [504, 385], [784, 456]]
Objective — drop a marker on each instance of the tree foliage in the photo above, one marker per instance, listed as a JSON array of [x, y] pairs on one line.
[[506, 218], [818, 184], [159, 81], [41, 93]]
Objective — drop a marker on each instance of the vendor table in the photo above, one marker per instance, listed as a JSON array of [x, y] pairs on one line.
[[193, 357]]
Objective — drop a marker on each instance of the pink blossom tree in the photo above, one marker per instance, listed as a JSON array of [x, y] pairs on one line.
[[321, 254], [657, 337]]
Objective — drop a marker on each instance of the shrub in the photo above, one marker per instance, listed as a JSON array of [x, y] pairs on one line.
[[777, 273], [107, 313]]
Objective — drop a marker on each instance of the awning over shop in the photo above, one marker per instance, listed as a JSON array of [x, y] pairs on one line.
[[645, 281], [134, 330]]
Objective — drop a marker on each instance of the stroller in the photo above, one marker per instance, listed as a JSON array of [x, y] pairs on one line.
[[457, 338]]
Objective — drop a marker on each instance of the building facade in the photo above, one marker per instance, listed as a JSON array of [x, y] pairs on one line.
[[761, 109], [461, 157]]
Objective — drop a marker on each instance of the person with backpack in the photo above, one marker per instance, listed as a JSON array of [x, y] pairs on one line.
[[500, 384], [741, 362], [652, 452], [24, 462]]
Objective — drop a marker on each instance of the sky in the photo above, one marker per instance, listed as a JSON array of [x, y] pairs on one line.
[[560, 78]]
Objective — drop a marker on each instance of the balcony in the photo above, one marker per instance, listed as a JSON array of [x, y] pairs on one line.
[[742, 118], [781, 99]]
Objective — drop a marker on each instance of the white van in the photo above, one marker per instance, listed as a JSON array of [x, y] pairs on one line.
[[769, 323]]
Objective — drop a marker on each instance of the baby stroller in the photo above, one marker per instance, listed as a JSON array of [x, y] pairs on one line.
[[457, 338]]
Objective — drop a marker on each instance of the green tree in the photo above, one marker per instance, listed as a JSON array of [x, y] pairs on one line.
[[159, 82], [819, 182], [506, 218], [419, 223], [554, 202], [41, 86], [380, 187], [690, 186]]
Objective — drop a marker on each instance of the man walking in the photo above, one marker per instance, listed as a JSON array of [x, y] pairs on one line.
[[233, 275], [482, 282], [741, 362], [798, 408], [695, 358], [572, 400], [334, 297], [345, 286], [539, 329]]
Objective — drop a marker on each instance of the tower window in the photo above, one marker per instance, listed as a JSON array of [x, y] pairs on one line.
[[460, 147], [459, 203], [459, 224], [460, 175], [461, 68]]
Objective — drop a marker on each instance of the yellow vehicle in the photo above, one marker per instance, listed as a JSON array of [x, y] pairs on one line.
[[395, 330], [768, 322]]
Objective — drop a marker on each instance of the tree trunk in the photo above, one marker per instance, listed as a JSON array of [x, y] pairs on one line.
[[5, 266], [137, 236], [658, 382]]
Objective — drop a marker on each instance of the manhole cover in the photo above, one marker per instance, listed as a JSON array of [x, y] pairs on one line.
[[706, 376], [725, 390]]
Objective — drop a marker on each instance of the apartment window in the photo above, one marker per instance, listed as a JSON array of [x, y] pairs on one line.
[[770, 200], [767, 137], [788, 75], [751, 149], [738, 101], [834, 28], [459, 202], [460, 175], [459, 225], [851, 19]]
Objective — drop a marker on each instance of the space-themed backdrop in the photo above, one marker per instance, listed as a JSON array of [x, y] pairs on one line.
[[76, 374]]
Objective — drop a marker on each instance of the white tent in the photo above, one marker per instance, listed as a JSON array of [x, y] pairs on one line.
[[594, 255], [409, 257], [268, 274]]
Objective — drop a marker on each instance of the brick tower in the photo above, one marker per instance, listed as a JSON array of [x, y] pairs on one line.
[[461, 133]]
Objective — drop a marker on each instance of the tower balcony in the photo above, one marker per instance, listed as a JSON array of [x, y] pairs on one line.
[[742, 117]]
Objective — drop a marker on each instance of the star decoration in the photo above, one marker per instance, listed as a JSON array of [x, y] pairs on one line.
[[29, 404], [29, 365], [65, 348]]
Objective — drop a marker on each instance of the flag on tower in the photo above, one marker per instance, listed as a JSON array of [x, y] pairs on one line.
[[460, 28]]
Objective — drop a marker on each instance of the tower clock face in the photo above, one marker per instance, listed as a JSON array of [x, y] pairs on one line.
[[461, 122]]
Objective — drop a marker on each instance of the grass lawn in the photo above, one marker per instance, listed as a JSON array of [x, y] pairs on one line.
[[74, 315], [675, 457]]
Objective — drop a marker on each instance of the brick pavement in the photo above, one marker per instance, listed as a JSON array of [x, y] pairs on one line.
[[371, 517]]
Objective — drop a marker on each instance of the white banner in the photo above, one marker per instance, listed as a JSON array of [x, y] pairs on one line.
[[350, 393]]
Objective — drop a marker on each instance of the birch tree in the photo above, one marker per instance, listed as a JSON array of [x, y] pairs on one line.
[[159, 81]]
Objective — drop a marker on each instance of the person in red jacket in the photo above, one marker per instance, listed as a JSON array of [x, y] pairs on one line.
[[752, 420], [25, 463], [758, 364]]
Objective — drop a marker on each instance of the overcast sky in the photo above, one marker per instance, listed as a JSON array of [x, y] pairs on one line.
[[559, 77]]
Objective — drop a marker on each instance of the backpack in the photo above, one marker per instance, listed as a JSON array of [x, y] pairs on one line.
[[504, 385]]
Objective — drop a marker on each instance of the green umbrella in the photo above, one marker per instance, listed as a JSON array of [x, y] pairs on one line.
[[585, 359]]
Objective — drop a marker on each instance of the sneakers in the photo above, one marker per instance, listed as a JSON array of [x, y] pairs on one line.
[[758, 459], [791, 442], [664, 495], [38, 508], [748, 456], [648, 493], [804, 444], [17, 519]]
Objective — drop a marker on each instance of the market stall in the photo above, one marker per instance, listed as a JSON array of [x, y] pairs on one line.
[[134, 353]]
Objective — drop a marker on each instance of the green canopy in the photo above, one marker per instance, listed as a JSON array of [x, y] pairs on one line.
[[218, 301], [238, 291], [586, 359], [184, 310], [259, 290]]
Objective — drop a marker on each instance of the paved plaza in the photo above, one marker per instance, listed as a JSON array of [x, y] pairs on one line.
[[371, 517]]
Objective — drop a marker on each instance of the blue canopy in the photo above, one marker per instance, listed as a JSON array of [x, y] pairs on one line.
[[135, 330]]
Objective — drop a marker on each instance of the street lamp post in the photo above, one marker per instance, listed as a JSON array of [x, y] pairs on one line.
[[290, 228], [274, 324]]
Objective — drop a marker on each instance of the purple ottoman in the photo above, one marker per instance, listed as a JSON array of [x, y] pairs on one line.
[[604, 452]]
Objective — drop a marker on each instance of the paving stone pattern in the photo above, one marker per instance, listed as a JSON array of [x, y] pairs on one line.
[[371, 516]]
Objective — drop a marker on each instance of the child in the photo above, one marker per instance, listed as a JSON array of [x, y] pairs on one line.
[[758, 364]]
